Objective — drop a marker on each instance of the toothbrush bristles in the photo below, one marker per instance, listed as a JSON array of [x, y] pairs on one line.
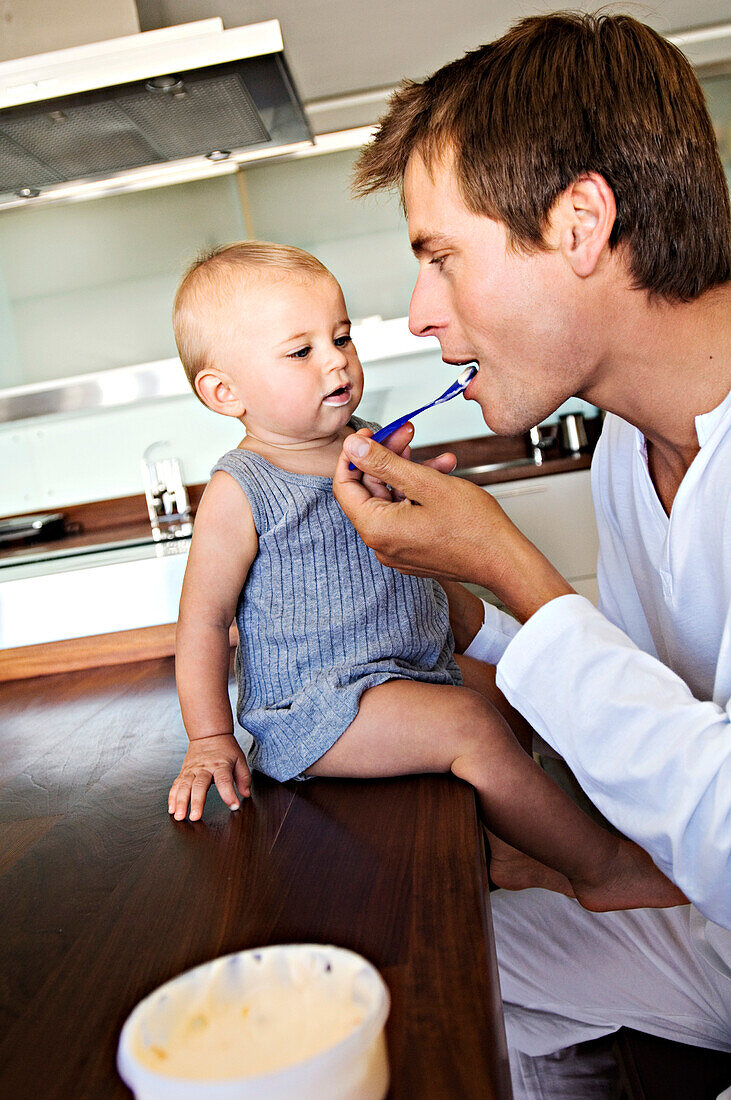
[[468, 373]]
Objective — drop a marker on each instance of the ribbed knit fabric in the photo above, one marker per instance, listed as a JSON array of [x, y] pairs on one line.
[[320, 620]]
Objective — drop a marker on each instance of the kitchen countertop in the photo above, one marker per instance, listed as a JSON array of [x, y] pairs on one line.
[[486, 460], [103, 897], [492, 459], [99, 552], [106, 593]]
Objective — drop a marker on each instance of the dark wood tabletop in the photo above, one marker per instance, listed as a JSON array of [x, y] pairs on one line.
[[104, 897]]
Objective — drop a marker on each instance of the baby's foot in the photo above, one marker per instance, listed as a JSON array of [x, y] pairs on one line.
[[514, 870], [631, 881]]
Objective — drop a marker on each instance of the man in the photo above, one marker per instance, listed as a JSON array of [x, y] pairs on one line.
[[568, 209]]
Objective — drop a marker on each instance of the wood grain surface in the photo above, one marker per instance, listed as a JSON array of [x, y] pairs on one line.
[[70, 654], [103, 896]]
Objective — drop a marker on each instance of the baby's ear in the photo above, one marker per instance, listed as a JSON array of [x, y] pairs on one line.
[[215, 390]]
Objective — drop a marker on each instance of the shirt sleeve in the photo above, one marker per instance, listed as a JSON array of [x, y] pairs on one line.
[[493, 637], [654, 760]]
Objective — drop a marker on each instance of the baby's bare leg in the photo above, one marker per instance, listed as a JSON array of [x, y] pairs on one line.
[[404, 727], [509, 867], [481, 678]]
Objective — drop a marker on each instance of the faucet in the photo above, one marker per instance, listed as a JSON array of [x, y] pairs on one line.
[[166, 495]]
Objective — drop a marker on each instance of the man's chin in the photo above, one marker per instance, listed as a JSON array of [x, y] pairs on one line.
[[504, 421]]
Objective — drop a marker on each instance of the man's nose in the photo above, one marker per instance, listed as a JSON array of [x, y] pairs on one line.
[[426, 313]]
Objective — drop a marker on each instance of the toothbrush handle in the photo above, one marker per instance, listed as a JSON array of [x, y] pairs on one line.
[[384, 433], [454, 389]]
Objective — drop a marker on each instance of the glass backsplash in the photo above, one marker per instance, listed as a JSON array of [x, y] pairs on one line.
[[89, 286]]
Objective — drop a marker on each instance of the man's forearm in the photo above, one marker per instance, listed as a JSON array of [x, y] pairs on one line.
[[524, 580]]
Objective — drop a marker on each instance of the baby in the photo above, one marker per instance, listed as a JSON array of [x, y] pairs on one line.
[[345, 667]]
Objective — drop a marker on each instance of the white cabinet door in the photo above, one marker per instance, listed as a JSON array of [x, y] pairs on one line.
[[556, 513]]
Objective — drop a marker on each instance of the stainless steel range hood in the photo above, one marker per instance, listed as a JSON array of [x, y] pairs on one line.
[[152, 107]]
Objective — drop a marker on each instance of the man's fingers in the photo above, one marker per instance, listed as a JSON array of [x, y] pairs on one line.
[[371, 458], [348, 486], [446, 463], [376, 488], [398, 441]]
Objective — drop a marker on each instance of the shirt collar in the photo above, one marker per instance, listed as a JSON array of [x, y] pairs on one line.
[[705, 426], [706, 423]]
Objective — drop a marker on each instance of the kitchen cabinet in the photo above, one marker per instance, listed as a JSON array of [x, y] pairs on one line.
[[556, 513], [96, 594]]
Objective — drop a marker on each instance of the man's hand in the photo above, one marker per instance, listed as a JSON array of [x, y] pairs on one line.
[[398, 442], [216, 759], [439, 526]]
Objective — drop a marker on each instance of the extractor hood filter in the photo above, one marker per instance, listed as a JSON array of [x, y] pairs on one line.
[[213, 111]]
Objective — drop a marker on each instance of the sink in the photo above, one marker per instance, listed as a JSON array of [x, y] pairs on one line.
[[492, 466]]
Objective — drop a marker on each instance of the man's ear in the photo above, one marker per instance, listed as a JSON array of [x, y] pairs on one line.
[[214, 389], [584, 217]]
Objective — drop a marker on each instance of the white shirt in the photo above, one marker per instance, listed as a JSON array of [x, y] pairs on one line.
[[637, 699]]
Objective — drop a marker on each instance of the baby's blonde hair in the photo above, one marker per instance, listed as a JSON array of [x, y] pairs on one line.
[[216, 274]]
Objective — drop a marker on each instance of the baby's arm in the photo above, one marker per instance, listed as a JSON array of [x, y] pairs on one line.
[[224, 545]]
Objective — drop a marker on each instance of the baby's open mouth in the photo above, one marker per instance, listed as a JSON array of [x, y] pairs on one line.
[[339, 396]]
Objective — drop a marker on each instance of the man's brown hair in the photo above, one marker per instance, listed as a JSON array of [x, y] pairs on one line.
[[555, 98]]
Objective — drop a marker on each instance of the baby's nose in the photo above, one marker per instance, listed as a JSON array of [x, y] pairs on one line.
[[338, 359]]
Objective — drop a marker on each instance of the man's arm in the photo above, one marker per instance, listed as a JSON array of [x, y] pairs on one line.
[[655, 760]]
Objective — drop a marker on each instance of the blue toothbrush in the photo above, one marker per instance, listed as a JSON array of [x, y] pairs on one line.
[[456, 388]]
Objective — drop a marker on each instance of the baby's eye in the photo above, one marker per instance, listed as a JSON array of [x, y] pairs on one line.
[[301, 353], [342, 341]]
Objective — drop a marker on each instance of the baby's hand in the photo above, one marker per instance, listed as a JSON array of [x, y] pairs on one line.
[[216, 759]]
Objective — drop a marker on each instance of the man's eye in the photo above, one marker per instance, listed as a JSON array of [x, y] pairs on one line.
[[438, 260], [342, 341], [301, 353]]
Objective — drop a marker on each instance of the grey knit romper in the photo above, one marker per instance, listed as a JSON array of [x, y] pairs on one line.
[[320, 620]]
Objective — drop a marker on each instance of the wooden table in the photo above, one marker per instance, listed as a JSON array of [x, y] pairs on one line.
[[104, 897]]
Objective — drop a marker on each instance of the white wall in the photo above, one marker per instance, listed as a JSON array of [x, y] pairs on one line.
[[89, 286]]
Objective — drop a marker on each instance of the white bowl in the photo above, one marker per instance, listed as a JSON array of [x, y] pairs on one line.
[[326, 1005]]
